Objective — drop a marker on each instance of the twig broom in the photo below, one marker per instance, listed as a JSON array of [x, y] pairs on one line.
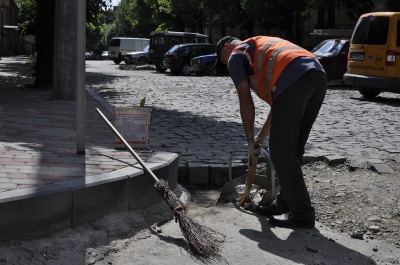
[[201, 240]]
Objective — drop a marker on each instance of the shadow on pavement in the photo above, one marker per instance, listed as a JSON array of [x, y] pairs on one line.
[[381, 100], [304, 246]]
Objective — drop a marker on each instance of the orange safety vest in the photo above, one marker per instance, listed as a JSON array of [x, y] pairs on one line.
[[271, 56]]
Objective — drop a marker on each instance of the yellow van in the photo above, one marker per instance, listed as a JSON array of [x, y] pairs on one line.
[[374, 58]]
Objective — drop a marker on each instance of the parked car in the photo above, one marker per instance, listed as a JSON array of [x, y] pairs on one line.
[[120, 46], [141, 57], [332, 54], [204, 65], [89, 55], [162, 41], [104, 55], [373, 65], [177, 59]]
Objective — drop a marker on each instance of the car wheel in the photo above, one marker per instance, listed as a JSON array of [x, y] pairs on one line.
[[210, 69], [186, 69], [368, 92], [117, 61], [142, 60], [159, 67]]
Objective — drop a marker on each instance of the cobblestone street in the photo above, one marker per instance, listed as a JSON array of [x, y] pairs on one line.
[[206, 111]]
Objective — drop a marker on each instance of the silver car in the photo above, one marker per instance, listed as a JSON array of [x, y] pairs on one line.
[[141, 57]]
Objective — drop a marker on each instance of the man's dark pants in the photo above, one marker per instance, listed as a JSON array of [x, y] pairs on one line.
[[293, 115]]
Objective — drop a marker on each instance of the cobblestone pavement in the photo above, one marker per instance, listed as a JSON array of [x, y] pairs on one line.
[[198, 117]]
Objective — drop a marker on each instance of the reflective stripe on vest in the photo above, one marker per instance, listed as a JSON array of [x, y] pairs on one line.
[[271, 56], [271, 62]]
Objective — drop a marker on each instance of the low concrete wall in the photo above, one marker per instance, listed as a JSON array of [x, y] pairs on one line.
[[46, 209]]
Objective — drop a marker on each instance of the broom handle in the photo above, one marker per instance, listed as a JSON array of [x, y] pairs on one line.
[[127, 145]]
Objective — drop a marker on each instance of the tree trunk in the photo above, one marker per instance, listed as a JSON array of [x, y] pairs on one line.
[[44, 43], [288, 26]]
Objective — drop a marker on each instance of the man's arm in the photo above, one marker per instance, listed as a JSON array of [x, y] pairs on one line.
[[264, 132], [247, 110], [267, 125]]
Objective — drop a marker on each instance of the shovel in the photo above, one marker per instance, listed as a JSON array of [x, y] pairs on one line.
[[235, 187]]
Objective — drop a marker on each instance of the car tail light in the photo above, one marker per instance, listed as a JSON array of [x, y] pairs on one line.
[[174, 57], [390, 58]]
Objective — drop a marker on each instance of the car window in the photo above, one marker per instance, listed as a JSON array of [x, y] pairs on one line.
[[146, 49], [115, 42], [173, 41], [184, 50], [173, 49], [371, 30], [327, 48], [159, 40], [197, 51]]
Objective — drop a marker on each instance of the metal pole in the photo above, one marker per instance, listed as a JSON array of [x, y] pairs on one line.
[[80, 75]]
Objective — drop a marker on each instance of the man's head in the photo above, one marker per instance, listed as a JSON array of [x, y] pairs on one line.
[[219, 64]]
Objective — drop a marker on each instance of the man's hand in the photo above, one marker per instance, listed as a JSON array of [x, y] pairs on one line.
[[253, 148], [260, 138]]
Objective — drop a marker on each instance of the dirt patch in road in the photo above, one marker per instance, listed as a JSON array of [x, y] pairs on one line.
[[361, 203]]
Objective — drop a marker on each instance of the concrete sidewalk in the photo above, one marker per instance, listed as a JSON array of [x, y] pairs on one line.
[[44, 184]]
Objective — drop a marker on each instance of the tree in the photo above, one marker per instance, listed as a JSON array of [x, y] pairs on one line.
[[41, 24], [96, 16], [248, 14], [356, 7], [44, 42], [392, 5], [140, 17], [26, 18]]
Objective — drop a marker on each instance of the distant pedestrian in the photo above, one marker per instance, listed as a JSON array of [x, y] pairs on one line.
[[293, 82]]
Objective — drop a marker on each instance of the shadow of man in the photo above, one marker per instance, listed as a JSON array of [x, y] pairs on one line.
[[303, 246]]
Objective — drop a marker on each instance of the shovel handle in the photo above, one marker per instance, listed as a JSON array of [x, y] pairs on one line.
[[127, 145]]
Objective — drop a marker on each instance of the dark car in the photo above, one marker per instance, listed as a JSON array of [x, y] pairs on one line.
[[204, 65], [162, 41], [332, 54], [177, 59]]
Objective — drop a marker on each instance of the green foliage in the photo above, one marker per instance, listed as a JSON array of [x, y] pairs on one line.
[[356, 8], [96, 21], [26, 16], [126, 18], [392, 5], [137, 18]]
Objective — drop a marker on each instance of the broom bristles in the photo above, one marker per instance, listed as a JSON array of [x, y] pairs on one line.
[[201, 240]]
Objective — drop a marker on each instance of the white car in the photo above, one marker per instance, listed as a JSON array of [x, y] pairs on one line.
[[141, 57], [104, 55]]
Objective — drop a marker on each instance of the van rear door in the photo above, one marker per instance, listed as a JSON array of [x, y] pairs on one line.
[[370, 46], [113, 48]]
